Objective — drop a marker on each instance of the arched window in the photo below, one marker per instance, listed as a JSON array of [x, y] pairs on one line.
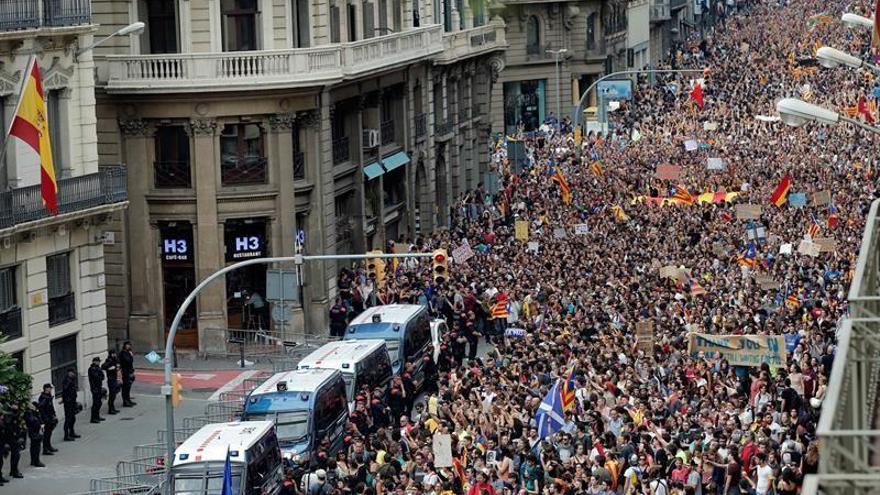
[[533, 36]]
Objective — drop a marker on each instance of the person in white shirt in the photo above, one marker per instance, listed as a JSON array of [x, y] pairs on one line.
[[763, 475]]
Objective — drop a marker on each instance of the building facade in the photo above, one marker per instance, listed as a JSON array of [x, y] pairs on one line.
[[257, 128], [52, 273]]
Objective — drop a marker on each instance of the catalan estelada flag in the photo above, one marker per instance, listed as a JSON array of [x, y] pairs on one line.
[[31, 125], [780, 194], [567, 391], [596, 168], [814, 228], [564, 190], [683, 196]]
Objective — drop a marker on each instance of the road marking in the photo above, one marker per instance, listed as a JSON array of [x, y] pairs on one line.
[[233, 384], [202, 376]]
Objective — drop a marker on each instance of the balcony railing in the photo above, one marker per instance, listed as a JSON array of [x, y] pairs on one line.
[[62, 309], [299, 166], [421, 125], [193, 72], [172, 174], [28, 14], [660, 11], [341, 150], [386, 129], [464, 114], [245, 170], [25, 204], [472, 42], [444, 127], [10, 324]]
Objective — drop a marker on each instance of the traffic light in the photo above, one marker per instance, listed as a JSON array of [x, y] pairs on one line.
[[376, 268], [176, 388], [439, 258]]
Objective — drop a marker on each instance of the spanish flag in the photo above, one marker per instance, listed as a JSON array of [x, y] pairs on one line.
[[31, 125], [780, 194]]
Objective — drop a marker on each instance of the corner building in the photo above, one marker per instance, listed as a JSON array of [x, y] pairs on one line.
[[269, 127]]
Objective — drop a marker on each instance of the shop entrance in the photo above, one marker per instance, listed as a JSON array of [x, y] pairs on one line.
[[178, 280], [246, 305]]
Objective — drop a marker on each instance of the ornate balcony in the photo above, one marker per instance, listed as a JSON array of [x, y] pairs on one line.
[[660, 11], [341, 150], [386, 129], [421, 125], [472, 42], [299, 166], [266, 69], [26, 14]]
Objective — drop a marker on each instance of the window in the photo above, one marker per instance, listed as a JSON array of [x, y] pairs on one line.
[[242, 156], [383, 17], [478, 7], [524, 103], [62, 356], [18, 357], [418, 334], [10, 312], [591, 31], [533, 36], [53, 108], [301, 23], [3, 179], [239, 25], [375, 371], [330, 404], [61, 297], [352, 22], [415, 13], [172, 167], [397, 15], [447, 14], [299, 158], [334, 24], [369, 22], [162, 26]]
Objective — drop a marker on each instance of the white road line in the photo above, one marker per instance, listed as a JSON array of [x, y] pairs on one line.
[[233, 384]]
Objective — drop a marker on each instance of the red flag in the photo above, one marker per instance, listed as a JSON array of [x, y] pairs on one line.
[[697, 93], [864, 110], [780, 194]]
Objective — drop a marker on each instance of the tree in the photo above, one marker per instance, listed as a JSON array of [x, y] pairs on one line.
[[15, 386]]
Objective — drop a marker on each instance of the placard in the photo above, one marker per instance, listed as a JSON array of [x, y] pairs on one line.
[[820, 198], [668, 271], [785, 248], [748, 212], [559, 233], [826, 244], [581, 229], [645, 335], [691, 145], [710, 126], [462, 253], [808, 248], [521, 228], [766, 282], [668, 172], [715, 164], [533, 246], [739, 350], [797, 200], [442, 446]]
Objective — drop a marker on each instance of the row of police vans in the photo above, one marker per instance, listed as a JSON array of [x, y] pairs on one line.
[[295, 414]]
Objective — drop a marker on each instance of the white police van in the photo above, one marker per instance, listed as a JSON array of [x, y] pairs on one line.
[[363, 363]]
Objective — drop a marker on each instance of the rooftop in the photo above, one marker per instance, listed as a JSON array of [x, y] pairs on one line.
[[390, 313], [211, 442], [296, 380], [333, 355]]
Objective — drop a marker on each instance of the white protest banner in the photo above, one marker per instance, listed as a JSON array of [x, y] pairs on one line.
[[739, 350], [826, 244], [748, 212], [559, 233], [532, 246], [785, 248], [581, 229], [462, 253], [442, 450], [710, 126], [820, 198], [808, 248], [691, 145]]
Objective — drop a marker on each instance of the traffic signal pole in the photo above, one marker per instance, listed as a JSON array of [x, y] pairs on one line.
[[167, 389]]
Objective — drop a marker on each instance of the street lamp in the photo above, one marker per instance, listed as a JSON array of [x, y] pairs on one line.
[[133, 28], [832, 57], [796, 113], [556, 56], [854, 21]]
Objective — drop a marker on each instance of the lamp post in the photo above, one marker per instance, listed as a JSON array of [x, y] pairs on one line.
[[556, 56], [832, 57], [854, 21], [796, 113], [133, 28]]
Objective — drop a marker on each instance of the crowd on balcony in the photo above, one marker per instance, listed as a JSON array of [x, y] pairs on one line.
[[583, 274]]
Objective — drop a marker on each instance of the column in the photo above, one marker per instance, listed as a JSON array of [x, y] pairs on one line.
[[211, 307], [322, 222], [456, 16], [281, 128], [468, 14], [145, 329]]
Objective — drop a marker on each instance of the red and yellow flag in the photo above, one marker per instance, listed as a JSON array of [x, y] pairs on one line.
[[31, 125], [564, 190], [780, 194]]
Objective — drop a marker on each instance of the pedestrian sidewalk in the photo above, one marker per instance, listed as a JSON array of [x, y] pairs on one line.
[[190, 361]]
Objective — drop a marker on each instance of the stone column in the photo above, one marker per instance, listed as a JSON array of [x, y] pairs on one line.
[[468, 14], [209, 234], [321, 200], [144, 323], [456, 16]]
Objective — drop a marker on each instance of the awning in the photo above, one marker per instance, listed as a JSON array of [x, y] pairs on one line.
[[373, 170], [396, 160]]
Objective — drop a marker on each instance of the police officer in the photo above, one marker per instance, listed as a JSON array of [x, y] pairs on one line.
[[13, 436], [111, 368], [35, 433], [71, 408], [126, 362], [96, 386], [46, 405]]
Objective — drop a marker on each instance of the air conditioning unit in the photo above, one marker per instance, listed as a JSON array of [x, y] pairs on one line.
[[371, 138]]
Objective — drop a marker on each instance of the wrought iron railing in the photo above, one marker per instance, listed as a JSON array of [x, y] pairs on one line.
[[299, 166], [236, 171], [386, 129], [10, 324], [341, 150], [444, 127], [19, 14], [62, 309], [25, 204], [464, 113], [172, 174], [66, 12], [421, 125]]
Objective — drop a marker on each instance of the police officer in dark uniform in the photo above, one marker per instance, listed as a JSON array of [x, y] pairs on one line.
[[35, 433], [96, 386], [126, 363], [13, 437], [111, 368], [46, 406], [71, 408]]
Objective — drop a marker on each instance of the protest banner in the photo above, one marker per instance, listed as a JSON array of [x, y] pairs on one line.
[[710, 126], [559, 233], [533, 246], [668, 271], [766, 282], [808, 248], [645, 335], [668, 172], [462, 253], [691, 145], [785, 248], [739, 350], [715, 164], [516, 333], [442, 450], [581, 229], [797, 200], [748, 212], [826, 244], [521, 229], [821, 198]]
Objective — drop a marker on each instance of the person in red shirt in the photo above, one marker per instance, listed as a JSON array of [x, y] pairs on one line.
[[482, 485], [748, 452]]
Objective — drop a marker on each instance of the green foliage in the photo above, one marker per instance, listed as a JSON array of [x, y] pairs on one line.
[[17, 386]]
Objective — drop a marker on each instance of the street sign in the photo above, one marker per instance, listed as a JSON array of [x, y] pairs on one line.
[[282, 285]]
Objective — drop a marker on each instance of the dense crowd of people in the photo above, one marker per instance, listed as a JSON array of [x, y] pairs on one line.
[[658, 420]]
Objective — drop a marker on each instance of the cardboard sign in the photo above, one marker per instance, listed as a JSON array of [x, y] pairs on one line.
[[739, 350], [710, 126], [442, 447], [533, 246], [820, 198], [785, 248], [690, 145], [826, 244], [668, 172], [715, 164], [808, 248], [766, 282], [748, 212], [462, 253], [521, 228], [668, 271], [797, 200], [559, 233], [581, 229], [645, 335]]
